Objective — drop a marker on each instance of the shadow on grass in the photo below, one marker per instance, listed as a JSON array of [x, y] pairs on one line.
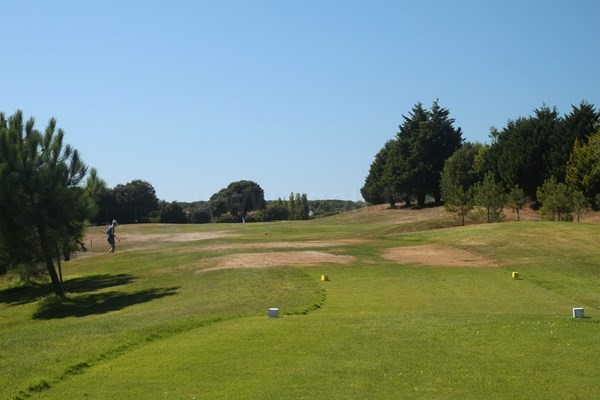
[[28, 294], [99, 303]]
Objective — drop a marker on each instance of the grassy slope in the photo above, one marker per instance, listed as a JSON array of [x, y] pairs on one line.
[[147, 325]]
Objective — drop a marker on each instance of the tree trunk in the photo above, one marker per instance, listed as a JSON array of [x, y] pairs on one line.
[[58, 289]]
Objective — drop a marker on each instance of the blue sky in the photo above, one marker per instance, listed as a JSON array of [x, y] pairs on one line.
[[297, 96]]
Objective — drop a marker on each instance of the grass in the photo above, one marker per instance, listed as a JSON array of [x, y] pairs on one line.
[[144, 323]]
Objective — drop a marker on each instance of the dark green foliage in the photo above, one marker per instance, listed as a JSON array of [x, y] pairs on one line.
[[459, 200], [528, 151], [135, 201], [97, 191], [410, 165], [237, 199], [198, 212], [516, 200], [172, 213], [298, 207], [580, 203], [132, 202], [583, 168], [374, 190], [489, 195], [461, 169], [556, 201], [276, 211], [322, 208], [42, 206]]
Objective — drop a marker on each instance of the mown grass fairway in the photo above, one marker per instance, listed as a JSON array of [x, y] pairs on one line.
[[157, 321]]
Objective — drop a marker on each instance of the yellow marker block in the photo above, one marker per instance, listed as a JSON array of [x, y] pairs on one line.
[[324, 278], [515, 275]]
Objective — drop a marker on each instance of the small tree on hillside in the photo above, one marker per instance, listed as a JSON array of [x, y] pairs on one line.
[[580, 204], [459, 200], [556, 201], [490, 196], [516, 200]]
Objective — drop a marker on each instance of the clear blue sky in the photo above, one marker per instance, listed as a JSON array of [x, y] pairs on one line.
[[297, 96]]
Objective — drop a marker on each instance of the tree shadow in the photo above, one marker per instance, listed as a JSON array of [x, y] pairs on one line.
[[96, 282], [100, 303], [28, 294]]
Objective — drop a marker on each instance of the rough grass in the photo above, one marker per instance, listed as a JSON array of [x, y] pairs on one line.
[[142, 324]]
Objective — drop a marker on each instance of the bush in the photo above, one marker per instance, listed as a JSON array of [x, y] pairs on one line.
[[199, 216], [226, 219]]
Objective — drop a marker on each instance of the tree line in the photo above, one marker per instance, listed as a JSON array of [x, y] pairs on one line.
[[532, 159], [551, 160]]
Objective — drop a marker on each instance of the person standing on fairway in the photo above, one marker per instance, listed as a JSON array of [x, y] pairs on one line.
[[111, 236]]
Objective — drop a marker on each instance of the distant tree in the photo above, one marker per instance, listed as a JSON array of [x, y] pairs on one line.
[[277, 211], [96, 189], [459, 200], [42, 205], [580, 124], [199, 212], [556, 201], [134, 201], [304, 208], [516, 200], [292, 209], [580, 203], [530, 150], [172, 213], [373, 190], [461, 169], [410, 165], [298, 208], [238, 199], [490, 196], [583, 168]]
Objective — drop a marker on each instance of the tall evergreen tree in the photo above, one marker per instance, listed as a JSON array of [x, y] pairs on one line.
[[528, 151], [42, 206], [411, 164], [583, 168], [304, 208]]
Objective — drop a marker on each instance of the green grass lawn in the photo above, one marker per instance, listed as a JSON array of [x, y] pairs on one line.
[[148, 324]]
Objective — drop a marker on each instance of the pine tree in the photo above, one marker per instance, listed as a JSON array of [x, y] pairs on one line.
[[516, 200], [490, 196], [42, 206]]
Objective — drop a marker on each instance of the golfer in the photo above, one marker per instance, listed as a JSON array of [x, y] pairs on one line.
[[111, 235]]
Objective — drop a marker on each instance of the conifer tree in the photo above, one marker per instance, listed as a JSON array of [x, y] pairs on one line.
[[42, 206]]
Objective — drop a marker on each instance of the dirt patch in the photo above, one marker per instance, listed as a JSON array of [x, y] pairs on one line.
[[128, 240], [437, 255], [172, 237], [284, 245], [276, 259]]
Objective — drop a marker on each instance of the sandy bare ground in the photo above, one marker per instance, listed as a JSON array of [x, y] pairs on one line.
[[437, 255], [172, 237], [95, 240], [310, 244], [273, 259]]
